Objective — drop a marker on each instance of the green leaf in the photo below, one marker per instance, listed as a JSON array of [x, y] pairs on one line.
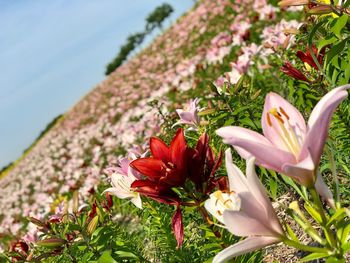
[[335, 260], [106, 258], [339, 214], [314, 256], [273, 187], [312, 212], [291, 233], [326, 41], [126, 254], [339, 25], [290, 182], [346, 247], [335, 50], [345, 234]]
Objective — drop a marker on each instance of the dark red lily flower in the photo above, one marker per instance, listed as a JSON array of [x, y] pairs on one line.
[[307, 58], [168, 165], [288, 69], [21, 248], [203, 165], [166, 168]]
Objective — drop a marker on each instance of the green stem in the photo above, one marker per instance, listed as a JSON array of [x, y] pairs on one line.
[[303, 247], [328, 232], [330, 154]]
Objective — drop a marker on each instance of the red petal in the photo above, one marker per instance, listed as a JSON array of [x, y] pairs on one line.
[[156, 192], [159, 150], [150, 167], [145, 187], [222, 183], [178, 227], [288, 69], [307, 58], [216, 165], [202, 143], [178, 148]]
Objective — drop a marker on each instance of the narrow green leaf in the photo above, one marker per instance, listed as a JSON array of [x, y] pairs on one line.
[[345, 234], [338, 215], [314, 256], [291, 233], [312, 212]]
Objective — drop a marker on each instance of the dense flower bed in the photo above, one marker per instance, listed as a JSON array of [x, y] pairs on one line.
[[155, 133]]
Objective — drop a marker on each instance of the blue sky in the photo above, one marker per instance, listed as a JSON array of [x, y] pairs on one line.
[[54, 52]]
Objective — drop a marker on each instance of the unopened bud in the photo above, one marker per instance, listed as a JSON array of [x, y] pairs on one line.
[[206, 112], [75, 202], [92, 225], [320, 10], [286, 3], [51, 242]]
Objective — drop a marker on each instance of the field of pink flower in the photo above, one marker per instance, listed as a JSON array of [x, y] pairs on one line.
[[142, 168]]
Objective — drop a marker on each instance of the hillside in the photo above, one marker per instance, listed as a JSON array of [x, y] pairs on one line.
[[212, 68]]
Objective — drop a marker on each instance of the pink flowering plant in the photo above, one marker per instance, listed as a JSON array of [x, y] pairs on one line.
[[148, 167]]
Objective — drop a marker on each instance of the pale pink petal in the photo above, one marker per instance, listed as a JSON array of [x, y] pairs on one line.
[[243, 153], [242, 224], [303, 172], [324, 191], [266, 154], [124, 164], [236, 179], [185, 116], [119, 192], [245, 246], [137, 201], [259, 192], [210, 206], [319, 121], [252, 208], [296, 120], [239, 184]]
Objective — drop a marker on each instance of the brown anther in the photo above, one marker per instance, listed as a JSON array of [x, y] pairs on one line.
[[219, 213], [268, 119], [279, 118], [284, 113], [228, 200]]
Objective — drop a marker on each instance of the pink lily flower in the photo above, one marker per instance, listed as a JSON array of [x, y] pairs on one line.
[[289, 145], [189, 115], [122, 177], [249, 215]]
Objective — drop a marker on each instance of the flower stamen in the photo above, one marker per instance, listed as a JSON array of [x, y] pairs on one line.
[[284, 130]]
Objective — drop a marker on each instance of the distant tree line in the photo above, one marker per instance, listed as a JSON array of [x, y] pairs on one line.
[[153, 20]]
